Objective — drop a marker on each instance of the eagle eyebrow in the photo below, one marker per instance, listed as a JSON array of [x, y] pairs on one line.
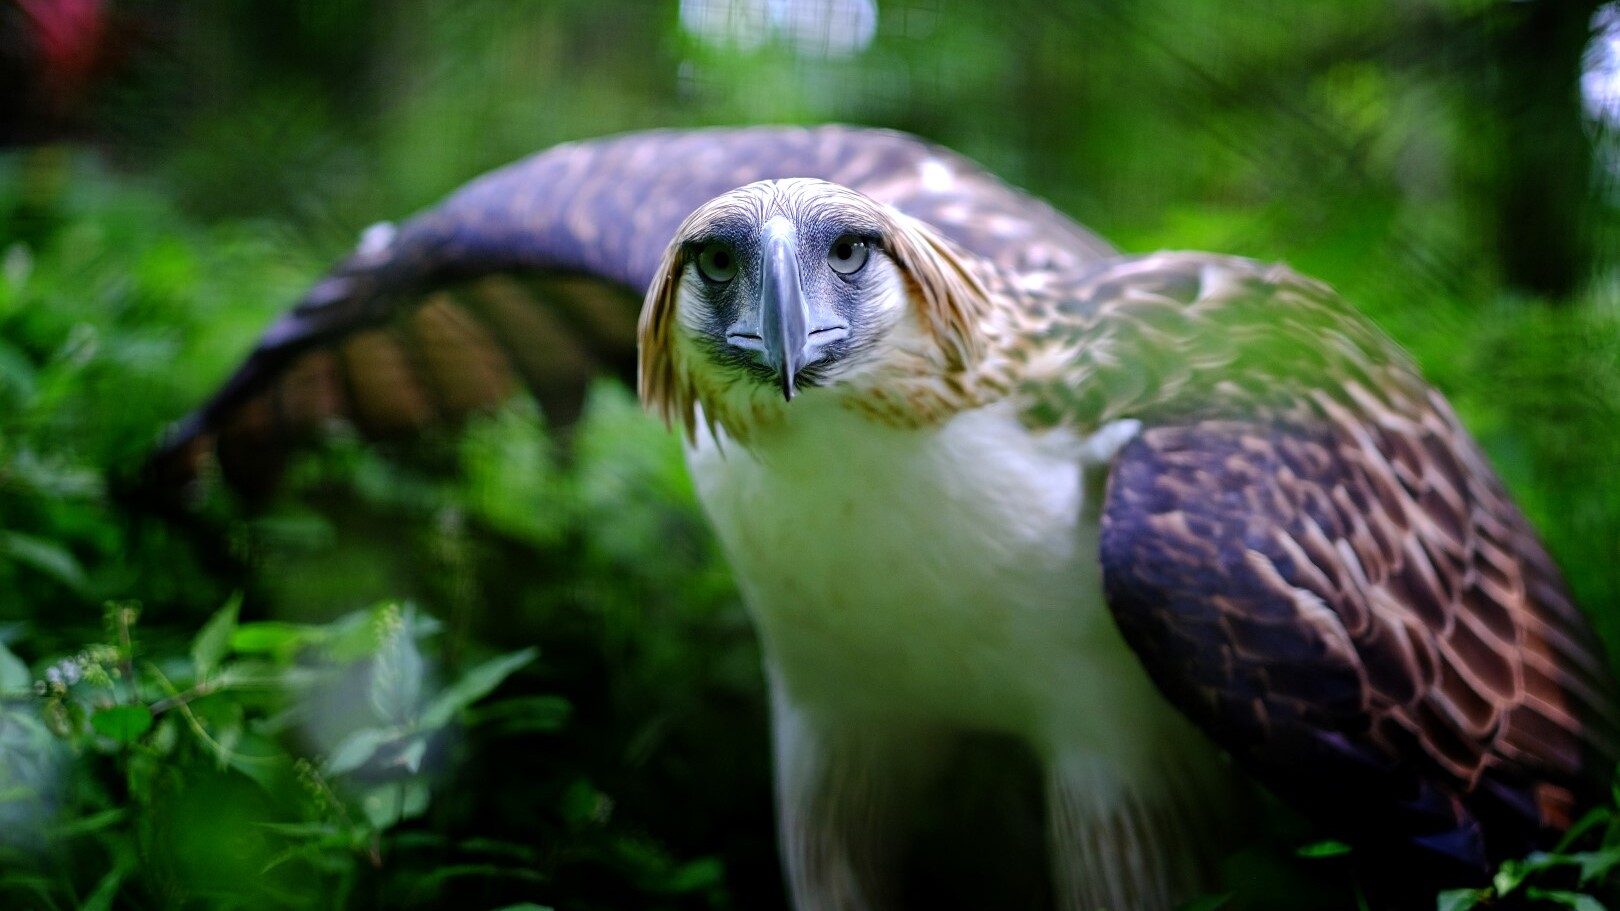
[[859, 224], [725, 231]]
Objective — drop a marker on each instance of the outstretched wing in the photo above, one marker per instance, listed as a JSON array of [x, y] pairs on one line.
[[532, 276], [1316, 564]]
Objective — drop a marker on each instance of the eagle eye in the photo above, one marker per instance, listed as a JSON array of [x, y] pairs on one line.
[[717, 262], [847, 255]]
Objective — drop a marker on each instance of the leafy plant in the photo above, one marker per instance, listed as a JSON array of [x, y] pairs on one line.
[[266, 771], [1527, 879]]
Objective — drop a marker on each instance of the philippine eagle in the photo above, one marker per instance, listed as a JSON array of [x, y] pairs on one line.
[[978, 474]]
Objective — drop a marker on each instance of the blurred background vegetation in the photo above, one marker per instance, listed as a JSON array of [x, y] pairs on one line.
[[509, 667]]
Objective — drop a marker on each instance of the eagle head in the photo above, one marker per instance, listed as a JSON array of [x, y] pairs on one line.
[[783, 287]]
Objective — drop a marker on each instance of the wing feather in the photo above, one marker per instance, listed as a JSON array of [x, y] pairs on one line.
[[1317, 564], [532, 276]]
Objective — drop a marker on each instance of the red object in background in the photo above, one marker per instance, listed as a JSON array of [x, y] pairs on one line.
[[67, 36], [51, 52]]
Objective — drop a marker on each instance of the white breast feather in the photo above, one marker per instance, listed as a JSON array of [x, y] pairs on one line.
[[943, 574]]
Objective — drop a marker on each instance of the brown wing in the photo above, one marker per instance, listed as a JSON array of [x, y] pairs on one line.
[[1316, 563], [532, 276]]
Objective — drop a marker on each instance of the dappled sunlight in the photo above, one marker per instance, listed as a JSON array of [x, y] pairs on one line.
[[816, 28]]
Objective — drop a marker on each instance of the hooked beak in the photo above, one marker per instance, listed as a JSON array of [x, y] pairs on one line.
[[782, 313]]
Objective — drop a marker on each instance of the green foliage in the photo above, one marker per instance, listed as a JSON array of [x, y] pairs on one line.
[[1526, 880], [200, 772], [1324, 849]]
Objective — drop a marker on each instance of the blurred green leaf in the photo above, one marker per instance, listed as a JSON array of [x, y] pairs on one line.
[[86, 825], [362, 633], [513, 480], [259, 759], [440, 875], [525, 713], [123, 723], [14, 675], [1461, 899], [411, 756], [1328, 848], [523, 854], [396, 682], [279, 640], [49, 558], [415, 797], [213, 643], [303, 829], [1576, 900], [1595, 865], [703, 873], [1508, 877], [16, 373], [357, 749], [472, 686], [105, 894], [387, 805], [583, 804], [1597, 816]]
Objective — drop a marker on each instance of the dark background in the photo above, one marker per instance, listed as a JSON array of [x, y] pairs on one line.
[[174, 175]]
